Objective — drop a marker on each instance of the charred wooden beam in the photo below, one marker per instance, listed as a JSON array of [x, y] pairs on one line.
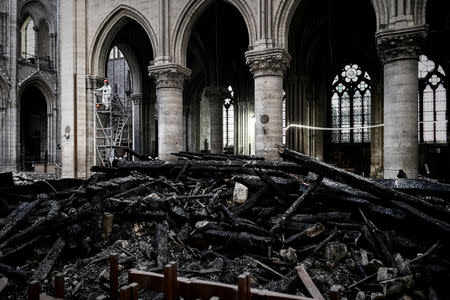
[[18, 216], [49, 261], [374, 187], [281, 220]]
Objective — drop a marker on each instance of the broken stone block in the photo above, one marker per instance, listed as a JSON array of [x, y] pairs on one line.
[[397, 285], [289, 254], [360, 296], [240, 193], [377, 296], [335, 251], [386, 274], [315, 230]]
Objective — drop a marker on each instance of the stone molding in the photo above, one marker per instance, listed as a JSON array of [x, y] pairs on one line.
[[273, 61], [169, 75], [400, 44], [136, 98], [216, 94], [93, 82]]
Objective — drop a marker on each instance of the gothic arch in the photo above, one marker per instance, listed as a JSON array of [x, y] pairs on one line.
[[42, 84], [191, 12], [99, 49], [286, 10], [38, 12]]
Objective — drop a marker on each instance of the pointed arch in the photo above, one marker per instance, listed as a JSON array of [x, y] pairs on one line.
[[38, 12], [101, 43], [286, 10], [43, 85], [191, 12]]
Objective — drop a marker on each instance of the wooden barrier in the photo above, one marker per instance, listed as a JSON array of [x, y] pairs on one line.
[[34, 289], [174, 287]]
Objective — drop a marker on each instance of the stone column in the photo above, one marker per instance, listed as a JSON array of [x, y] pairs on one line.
[[399, 54], [92, 83], [268, 67], [169, 101], [216, 97], [137, 122]]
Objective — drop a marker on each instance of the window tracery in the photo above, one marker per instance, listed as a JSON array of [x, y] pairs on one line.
[[351, 105], [432, 102]]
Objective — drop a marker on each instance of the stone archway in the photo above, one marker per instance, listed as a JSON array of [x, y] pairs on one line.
[[129, 31], [33, 124], [191, 12], [216, 56]]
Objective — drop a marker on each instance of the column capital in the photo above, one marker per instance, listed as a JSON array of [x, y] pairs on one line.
[[93, 82], [169, 75], [400, 44], [136, 98], [215, 94], [268, 62]]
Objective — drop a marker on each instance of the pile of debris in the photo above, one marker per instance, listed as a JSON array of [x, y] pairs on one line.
[[218, 216]]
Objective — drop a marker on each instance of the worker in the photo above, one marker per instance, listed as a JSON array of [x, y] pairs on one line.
[[106, 93]]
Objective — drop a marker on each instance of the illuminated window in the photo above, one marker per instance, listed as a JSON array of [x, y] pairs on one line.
[[284, 117], [28, 39], [432, 102], [228, 120], [351, 105]]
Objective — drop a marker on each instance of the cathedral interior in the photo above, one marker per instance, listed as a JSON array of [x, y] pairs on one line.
[[87, 86]]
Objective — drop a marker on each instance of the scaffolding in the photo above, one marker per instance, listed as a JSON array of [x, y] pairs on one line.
[[113, 128]]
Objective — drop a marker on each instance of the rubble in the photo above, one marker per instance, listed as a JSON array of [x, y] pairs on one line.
[[353, 237]]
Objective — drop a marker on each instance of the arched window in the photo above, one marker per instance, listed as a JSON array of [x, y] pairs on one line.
[[228, 120], [351, 105], [28, 39], [432, 102], [284, 117]]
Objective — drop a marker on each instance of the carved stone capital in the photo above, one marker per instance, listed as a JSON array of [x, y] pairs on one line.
[[216, 95], [136, 98], [169, 75], [93, 82], [400, 44], [268, 61]]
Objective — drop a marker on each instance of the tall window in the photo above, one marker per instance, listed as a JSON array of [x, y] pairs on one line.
[[350, 105], [228, 120], [28, 39], [432, 102], [284, 117]]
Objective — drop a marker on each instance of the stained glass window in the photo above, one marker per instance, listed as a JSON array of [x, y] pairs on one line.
[[228, 120], [351, 105], [432, 102]]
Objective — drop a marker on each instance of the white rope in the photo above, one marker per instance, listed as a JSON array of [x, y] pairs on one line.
[[332, 128]]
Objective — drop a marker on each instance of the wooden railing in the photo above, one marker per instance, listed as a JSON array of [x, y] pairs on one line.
[[172, 286]]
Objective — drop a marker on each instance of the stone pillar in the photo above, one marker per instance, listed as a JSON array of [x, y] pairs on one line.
[[169, 101], [268, 67], [399, 54], [137, 122], [216, 97], [92, 83]]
